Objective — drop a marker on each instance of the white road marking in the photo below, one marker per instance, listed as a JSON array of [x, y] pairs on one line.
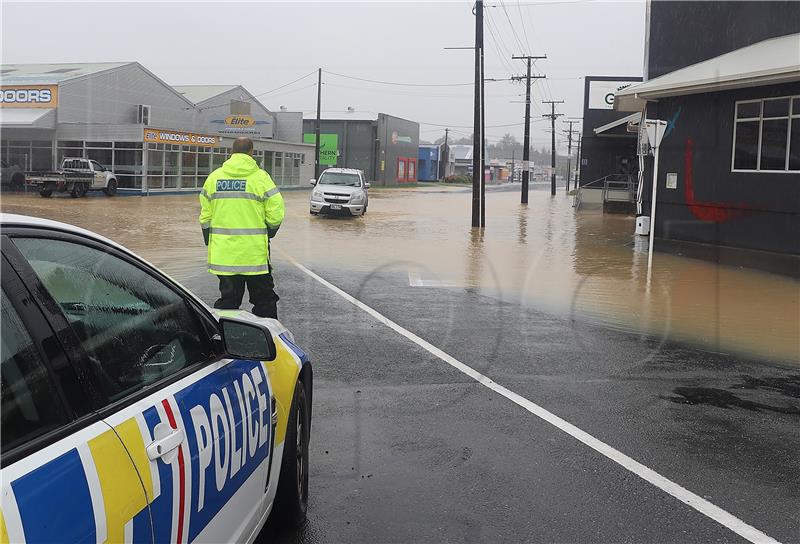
[[700, 504], [415, 280]]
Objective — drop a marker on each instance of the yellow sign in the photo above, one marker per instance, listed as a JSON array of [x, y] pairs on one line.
[[156, 135], [28, 96], [237, 121]]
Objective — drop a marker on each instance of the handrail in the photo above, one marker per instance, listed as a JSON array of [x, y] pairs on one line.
[[610, 182]]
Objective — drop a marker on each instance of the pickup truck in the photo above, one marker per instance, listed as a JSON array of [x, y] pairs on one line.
[[77, 176]]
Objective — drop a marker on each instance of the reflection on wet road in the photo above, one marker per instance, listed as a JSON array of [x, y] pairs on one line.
[[588, 265]]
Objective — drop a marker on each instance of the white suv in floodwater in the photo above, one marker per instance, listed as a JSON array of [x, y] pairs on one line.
[[340, 190]]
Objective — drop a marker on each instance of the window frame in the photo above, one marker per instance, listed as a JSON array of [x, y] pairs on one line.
[[788, 118], [102, 406]]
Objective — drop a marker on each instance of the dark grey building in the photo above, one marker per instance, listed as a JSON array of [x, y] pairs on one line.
[[386, 147], [726, 78], [607, 148]]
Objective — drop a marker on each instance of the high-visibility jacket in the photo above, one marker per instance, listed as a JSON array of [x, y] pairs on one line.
[[242, 208]]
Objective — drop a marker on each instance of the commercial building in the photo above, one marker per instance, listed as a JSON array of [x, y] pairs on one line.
[[385, 147], [156, 137], [429, 162], [607, 147], [729, 163]]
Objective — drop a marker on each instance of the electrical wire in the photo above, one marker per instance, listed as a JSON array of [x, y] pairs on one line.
[[398, 83], [261, 94]]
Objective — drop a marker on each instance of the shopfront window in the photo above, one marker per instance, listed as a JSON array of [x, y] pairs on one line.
[[28, 155], [171, 167], [127, 164], [155, 166], [188, 167], [203, 165]]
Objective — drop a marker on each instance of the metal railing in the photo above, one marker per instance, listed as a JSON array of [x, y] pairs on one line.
[[609, 183]]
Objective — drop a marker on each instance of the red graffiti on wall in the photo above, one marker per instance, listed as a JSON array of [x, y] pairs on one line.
[[715, 212]]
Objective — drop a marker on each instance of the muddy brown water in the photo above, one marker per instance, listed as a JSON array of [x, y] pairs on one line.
[[586, 265]]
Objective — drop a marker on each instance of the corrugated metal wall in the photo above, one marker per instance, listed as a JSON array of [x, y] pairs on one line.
[[111, 98]]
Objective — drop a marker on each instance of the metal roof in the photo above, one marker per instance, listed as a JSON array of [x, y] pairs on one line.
[[769, 62], [27, 118], [14, 74], [461, 152], [200, 93]]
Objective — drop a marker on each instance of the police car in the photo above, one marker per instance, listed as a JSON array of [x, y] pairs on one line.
[[133, 412]]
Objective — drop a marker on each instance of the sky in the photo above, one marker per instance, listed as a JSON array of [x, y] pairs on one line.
[[265, 45]]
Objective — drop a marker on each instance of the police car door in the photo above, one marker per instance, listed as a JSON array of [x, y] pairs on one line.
[[66, 476], [203, 421]]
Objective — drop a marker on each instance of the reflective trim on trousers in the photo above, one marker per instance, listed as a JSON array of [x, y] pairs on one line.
[[238, 269], [238, 232], [235, 194]]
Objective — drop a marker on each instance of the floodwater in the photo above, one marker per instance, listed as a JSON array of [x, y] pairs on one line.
[[587, 266]]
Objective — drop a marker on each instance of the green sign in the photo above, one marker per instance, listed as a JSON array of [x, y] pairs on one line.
[[328, 147]]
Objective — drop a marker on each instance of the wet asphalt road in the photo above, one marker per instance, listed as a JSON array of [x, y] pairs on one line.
[[407, 449]]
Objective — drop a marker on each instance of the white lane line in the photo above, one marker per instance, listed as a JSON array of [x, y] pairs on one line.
[[700, 504], [415, 280]]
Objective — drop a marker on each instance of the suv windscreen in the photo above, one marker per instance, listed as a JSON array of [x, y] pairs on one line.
[[340, 178]]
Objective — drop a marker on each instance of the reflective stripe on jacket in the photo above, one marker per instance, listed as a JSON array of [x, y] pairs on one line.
[[239, 203]]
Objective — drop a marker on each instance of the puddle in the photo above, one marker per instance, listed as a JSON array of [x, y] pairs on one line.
[[584, 265]]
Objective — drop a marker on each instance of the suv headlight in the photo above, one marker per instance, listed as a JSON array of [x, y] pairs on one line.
[[316, 194], [357, 198]]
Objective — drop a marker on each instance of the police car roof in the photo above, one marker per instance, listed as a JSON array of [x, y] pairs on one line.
[[12, 219]]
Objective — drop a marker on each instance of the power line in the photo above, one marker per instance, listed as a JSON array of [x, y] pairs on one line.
[[402, 84], [513, 30], [262, 94]]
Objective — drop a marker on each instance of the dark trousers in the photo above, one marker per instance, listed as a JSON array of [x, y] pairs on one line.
[[262, 294]]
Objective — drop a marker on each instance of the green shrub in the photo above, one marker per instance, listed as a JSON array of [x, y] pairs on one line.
[[458, 179]]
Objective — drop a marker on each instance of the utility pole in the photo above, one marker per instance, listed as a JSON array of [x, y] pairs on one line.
[[483, 142], [512, 164], [477, 137], [318, 125], [445, 157], [578, 163], [569, 150], [526, 146], [553, 115]]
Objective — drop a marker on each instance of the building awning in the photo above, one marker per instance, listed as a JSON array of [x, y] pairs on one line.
[[770, 62], [634, 118], [27, 118]]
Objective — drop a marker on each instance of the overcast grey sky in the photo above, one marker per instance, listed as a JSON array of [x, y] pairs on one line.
[[263, 45]]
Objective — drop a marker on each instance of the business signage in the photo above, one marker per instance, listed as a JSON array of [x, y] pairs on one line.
[[397, 138], [242, 125], [328, 147], [154, 135], [28, 96], [601, 93]]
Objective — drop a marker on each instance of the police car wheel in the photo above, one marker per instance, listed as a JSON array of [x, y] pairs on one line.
[[45, 193], [111, 189], [291, 502]]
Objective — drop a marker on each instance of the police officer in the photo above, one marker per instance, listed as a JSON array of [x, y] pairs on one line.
[[240, 210]]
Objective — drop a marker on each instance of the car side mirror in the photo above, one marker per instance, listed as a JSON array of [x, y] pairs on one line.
[[313, 182], [242, 339], [366, 185]]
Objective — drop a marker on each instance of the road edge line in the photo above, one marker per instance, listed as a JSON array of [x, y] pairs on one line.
[[708, 509]]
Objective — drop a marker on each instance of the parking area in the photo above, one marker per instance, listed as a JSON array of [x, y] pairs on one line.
[[515, 386]]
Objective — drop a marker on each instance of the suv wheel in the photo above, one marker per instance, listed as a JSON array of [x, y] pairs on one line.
[[111, 188]]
